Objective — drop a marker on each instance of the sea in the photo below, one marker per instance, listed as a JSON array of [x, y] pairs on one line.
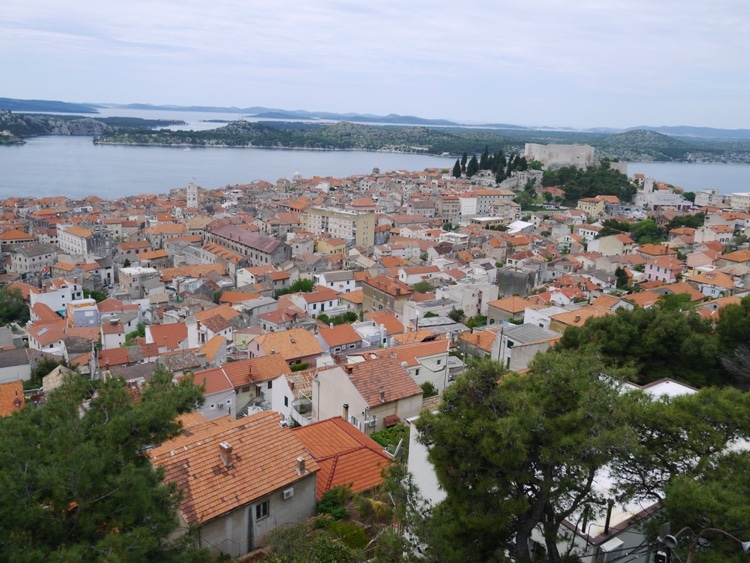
[[75, 167]]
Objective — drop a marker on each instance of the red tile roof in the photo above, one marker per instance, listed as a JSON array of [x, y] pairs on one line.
[[384, 375], [264, 459], [346, 456], [11, 397]]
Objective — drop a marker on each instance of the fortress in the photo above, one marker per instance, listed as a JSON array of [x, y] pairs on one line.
[[552, 156]]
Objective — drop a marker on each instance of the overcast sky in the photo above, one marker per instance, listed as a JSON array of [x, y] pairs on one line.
[[577, 63]]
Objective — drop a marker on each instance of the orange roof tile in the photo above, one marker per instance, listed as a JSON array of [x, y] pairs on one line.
[[345, 455], [11, 398], [290, 344], [385, 375], [264, 460], [169, 335], [411, 353], [339, 335]]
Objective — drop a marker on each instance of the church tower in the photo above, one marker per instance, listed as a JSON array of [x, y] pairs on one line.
[[192, 196]]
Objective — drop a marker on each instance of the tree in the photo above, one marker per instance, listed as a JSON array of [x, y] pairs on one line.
[[456, 315], [302, 285], [423, 286], [12, 306], [716, 499], [516, 452], [685, 436], [457, 169], [473, 167], [95, 294], [428, 389], [464, 157], [74, 483], [657, 342]]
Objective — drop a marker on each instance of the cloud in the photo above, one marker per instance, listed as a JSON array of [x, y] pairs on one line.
[[407, 56]]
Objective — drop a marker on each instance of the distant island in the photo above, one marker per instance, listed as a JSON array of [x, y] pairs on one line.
[[330, 131]]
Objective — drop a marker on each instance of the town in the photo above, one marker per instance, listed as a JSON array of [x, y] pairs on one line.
[[318, 312]]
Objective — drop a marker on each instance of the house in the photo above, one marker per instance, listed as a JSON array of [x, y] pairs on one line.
[[518, 345], [384, 292], [339, 339], [319, 300], [612, 245], [344, 455], [14, 365], [168, 337], [371, 395], [292, 397], [713, 283], [296, 346], [258, 249], [240, 479], [253, 380], [424, 361], [220, 399], [664, 268], [341, 281]]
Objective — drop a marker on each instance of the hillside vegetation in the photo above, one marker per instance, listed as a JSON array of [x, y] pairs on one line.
[[636, 145]]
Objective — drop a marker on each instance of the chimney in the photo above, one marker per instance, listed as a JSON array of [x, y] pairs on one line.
[[578, 318], [301, 465], [382, 395], [346, 411], [291, 385], [225, 452]]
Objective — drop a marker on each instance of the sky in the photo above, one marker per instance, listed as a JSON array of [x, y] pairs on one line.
[[566, 63]]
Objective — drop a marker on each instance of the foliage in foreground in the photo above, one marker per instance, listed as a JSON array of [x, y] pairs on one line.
[[516, 453], [74, 485]]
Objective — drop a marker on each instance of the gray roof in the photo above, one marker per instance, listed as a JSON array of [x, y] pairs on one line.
[[527, 333], [339, 275], [38, 249], [16, 357]]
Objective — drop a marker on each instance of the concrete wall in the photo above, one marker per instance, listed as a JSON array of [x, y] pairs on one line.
[[239, 532], [581, 156]]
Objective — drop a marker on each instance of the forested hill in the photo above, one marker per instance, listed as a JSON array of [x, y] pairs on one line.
[[15, 127], [637, 145]]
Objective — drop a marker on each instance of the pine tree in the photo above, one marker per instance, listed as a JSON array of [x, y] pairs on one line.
[[457, 169], [484, 159], [473, 167]]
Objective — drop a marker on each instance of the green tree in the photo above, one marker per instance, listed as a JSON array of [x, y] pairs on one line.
[[423, 286], [12, 306], [473, 167], [457, 169], [74, 483], [428, 389], [517, 452], [656, 342], [456, 315], [716, 499], [302, 285], [679, 437], [95, 294], [464, 158]]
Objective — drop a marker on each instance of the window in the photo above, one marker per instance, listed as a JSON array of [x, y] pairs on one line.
[[286, 401], [354, 421], [261, 510], [270, 384], [439, 362], [416, 372]]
